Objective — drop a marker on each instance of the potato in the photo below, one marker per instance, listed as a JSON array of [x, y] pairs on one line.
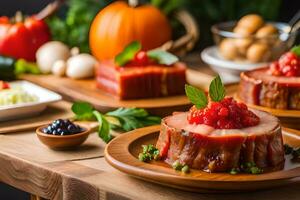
[[267, 34], [243, 44], [252, 22], [228, 49], [258, 52], [242, 31]]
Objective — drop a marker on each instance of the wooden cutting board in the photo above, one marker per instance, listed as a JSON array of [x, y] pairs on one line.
[[85, 90], [61, 109]]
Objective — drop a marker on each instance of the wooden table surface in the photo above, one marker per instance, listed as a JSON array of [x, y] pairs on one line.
[[80, 177], [51, 175]]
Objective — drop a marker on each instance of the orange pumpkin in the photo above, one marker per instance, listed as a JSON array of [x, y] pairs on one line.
[[118, 24]]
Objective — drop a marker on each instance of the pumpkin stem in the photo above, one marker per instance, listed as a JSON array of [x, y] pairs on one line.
[[133, 3]]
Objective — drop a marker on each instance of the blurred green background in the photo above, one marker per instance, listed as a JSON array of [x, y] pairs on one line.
[[71, 24], [72, 21]]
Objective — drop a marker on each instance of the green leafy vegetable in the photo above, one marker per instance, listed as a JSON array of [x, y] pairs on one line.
[[104, 127], [296, 50], [196, 96], [163, 57], [128, 53], [124, 119], [73, 27], [83, 111], [217, 89], [149, 153], [133, 118], [23, 67]]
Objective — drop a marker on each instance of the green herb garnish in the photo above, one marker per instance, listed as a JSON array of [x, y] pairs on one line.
[[251, 168], [104, 127], [234, 171], [83, 111], [199, 98], [196, 96], [296, 50], [162, 57], [133, 118], [216, 89], [295, 152], [248, 167], [149, 153], [123, 119], [128, 53], [180, 167]]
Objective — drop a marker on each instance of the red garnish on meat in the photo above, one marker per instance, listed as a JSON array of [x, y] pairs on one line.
[[226, 114], [4, 85], [287, 65]]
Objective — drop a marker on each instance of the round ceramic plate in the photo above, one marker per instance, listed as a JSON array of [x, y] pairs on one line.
[[228, 70], [122, 153]]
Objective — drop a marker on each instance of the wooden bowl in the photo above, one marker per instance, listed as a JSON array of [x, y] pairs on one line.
[[62, 141]]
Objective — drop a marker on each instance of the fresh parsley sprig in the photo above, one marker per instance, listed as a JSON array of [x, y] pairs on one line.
[[199, 98], [123, 119]]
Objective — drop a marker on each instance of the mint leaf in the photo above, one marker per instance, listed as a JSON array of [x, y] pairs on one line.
[[196, 96], [128, 53], [104, 127], [163, 57], [296, 50], [216, 89], [83, 111]]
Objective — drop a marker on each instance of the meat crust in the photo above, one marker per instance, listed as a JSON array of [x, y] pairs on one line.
[[222, 150], [259, 88]]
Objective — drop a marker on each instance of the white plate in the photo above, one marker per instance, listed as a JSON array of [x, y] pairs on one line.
[[22, 110], [228, 70]]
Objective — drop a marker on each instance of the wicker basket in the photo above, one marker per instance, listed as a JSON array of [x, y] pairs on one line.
[[180, 46]]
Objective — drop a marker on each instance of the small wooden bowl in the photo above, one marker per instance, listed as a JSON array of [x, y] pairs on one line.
[[61, 142]]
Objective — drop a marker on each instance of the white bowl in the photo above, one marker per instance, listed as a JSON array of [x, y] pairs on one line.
[[22, 110], [228, 70]]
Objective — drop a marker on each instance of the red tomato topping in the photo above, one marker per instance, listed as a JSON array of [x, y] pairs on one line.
[[287, 65], [226, 114]]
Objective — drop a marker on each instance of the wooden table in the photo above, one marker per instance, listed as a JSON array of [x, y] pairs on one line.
[[92, 178], [89, 177]]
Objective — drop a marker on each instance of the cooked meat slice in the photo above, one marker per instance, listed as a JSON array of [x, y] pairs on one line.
[[218, 150]]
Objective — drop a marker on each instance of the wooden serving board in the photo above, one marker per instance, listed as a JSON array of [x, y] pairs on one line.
[[122, 153], [61, 109], [85, 90]]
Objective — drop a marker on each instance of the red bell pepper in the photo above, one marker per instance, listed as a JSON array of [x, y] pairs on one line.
[[22, 39]]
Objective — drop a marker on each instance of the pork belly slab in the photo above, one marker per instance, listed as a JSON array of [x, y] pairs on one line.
[[219, 150], [258, 87], [141, 82]]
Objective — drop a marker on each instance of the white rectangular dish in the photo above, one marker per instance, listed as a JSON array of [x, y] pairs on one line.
[[21, 110]]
